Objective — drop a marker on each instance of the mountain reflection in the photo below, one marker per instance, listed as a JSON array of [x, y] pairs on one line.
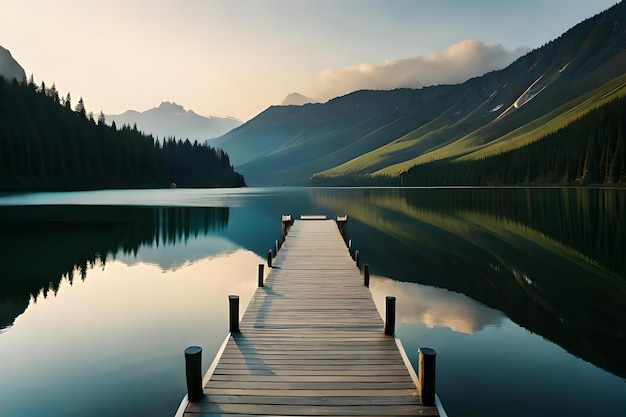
[[552, 259], [41, 245]]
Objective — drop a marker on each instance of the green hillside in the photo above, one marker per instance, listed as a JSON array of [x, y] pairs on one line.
[[472, 146], [377, 135], [588, 150]]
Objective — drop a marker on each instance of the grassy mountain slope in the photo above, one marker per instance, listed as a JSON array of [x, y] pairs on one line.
[[473, 145], [565, 79], [286, 144], [387, 132]]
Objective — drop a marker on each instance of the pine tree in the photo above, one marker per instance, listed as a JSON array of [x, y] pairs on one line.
[[68, 102], [80, 108]]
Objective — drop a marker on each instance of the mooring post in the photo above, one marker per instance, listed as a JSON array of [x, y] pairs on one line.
[[350, 247], [193, 372], [269, 258], [366, 275], [261, 267], [233, 302], [286, 219], [342, 223], [390, 315], [427, 359], [277, 247], [357, 258]]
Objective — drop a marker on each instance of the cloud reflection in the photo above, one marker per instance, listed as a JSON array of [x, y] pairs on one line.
[[435, 307]]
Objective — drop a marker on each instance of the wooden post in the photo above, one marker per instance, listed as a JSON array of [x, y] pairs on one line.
[[366, 275], [350, 246], [233, 303], [342, 223], [261, 267], [357, 258], [193, 372], [269, 258], [277, 247], [390, 315], [286, 218], [427, 359]]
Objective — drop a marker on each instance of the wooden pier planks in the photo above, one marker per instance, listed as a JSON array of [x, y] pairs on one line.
[[311, 342]]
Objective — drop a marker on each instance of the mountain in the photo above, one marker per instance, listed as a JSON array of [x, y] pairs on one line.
[[387, 132], [171, 119], [9, 68], [297, 99], [46, 145]]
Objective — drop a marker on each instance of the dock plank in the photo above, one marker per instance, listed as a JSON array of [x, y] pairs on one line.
[[311, 342]]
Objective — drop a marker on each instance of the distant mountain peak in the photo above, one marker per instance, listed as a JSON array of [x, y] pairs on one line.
[[171, 105], [171, 119], [297, 99], [9, 67]]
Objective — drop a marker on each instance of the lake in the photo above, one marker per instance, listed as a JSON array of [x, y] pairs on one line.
[[522, 292]]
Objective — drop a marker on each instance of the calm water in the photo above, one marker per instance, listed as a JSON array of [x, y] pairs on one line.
[[522, 292]]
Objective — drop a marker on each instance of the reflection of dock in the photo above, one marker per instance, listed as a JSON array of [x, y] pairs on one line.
[[311, 342]]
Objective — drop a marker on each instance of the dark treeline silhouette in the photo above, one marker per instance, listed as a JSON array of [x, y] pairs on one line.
[[42, 245], [590, 150], [45, 144]]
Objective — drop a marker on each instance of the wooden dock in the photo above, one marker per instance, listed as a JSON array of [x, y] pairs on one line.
[[311, 342]]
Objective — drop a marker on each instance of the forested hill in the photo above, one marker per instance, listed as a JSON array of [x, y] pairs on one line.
[[46, 144]]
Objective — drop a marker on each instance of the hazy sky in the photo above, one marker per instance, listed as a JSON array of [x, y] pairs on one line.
[[237, 57]]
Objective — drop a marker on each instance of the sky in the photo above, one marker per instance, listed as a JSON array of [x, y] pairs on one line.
[[238, 57]]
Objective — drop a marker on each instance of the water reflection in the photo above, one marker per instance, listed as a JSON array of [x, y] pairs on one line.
[[480, 348], [41, 245], [551, 259], [435, 307], [590, 222], [112, 345]]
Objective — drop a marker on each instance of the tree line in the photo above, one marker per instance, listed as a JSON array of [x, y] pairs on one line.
[[590, 150], [46, 144]]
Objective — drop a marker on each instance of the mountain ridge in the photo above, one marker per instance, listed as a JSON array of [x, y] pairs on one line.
[[372, 132], [297, 99], [173, 120]]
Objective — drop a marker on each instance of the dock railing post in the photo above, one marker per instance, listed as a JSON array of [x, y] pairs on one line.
[[261, 267], [366, 275], [427, 359], [269, 258], [233, 304], [342, 223], [286, 219], [193, 372], [390, 315]]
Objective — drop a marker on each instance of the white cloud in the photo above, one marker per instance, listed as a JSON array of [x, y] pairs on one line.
[[455, 64]]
